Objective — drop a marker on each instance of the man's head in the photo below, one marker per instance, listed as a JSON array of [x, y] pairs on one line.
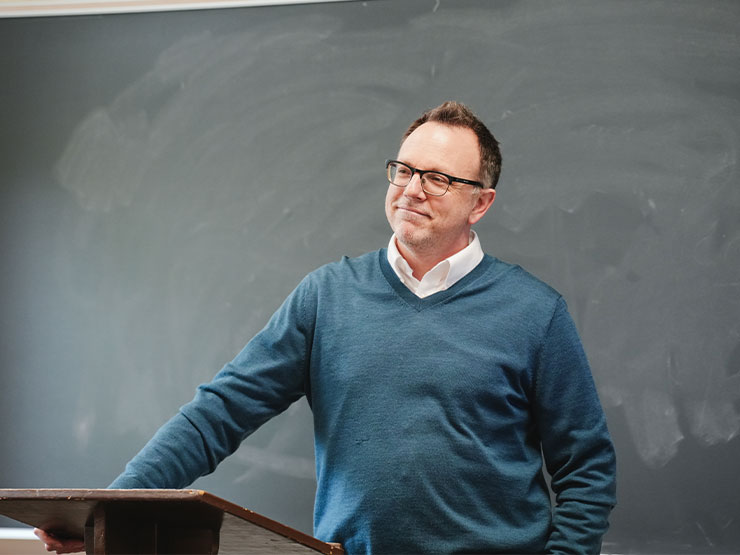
[[444, 140], [456, 114]]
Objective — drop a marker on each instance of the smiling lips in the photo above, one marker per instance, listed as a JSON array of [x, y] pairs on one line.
[[412, 210]]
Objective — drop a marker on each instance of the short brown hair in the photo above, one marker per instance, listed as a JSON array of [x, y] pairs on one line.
[[457, 114]]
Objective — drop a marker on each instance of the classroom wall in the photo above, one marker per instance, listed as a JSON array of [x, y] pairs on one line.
[[166, 179]]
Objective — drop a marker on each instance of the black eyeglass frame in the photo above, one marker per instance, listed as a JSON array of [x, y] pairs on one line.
[[421, 173]]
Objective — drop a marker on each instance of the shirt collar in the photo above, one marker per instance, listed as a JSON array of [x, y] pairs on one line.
[[444, 275]]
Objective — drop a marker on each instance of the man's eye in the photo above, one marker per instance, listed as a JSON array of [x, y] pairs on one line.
[[437, 179]]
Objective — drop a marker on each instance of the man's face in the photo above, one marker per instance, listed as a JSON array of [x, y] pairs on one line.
[[433, 226]]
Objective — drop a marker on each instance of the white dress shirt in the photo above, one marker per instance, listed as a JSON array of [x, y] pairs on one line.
[[444, 275]]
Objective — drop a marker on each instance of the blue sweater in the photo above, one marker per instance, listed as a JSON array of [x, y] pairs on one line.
[[431, 416]]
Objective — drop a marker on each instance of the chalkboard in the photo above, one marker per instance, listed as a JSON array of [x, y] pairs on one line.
[[166, 179]]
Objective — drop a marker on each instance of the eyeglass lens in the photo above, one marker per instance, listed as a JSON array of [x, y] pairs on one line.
[[431, 182]]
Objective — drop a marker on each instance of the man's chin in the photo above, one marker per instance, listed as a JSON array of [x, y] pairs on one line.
[[413, 240]]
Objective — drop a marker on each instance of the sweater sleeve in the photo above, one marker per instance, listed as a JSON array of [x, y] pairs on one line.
[[576, 445], [262, 381]]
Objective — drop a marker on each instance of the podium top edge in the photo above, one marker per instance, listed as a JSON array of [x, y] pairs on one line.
[[55, 493], [110, 494]]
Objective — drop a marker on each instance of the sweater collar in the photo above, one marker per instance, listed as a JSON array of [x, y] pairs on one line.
[[418, 304], [442, 276]]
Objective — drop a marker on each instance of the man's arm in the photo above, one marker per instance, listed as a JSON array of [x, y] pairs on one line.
[[261, 382], [576, 444]]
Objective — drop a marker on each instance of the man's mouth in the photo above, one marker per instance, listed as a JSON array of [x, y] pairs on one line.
[[412, 210]]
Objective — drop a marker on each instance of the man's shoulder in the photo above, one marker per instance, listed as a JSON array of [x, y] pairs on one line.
[[521, 301], [363, 266], [521, 283]]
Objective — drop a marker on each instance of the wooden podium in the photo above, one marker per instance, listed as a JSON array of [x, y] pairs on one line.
[[156, 521]]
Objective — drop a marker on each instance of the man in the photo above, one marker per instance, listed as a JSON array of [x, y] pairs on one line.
[[439, 378]]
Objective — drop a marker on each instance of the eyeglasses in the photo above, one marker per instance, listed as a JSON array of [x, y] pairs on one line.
[[432, 182]]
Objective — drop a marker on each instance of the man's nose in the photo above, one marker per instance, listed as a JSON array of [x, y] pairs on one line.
[[414, 188]]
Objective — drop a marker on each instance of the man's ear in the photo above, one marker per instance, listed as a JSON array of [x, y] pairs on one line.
[[483, 202]]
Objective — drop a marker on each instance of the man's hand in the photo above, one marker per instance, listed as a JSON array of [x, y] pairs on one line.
[[59, 545]]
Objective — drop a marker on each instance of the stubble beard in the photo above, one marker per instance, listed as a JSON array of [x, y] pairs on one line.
[[415, 240]]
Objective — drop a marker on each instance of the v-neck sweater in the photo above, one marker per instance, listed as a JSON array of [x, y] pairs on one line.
[[431, 416], [443, 275]]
